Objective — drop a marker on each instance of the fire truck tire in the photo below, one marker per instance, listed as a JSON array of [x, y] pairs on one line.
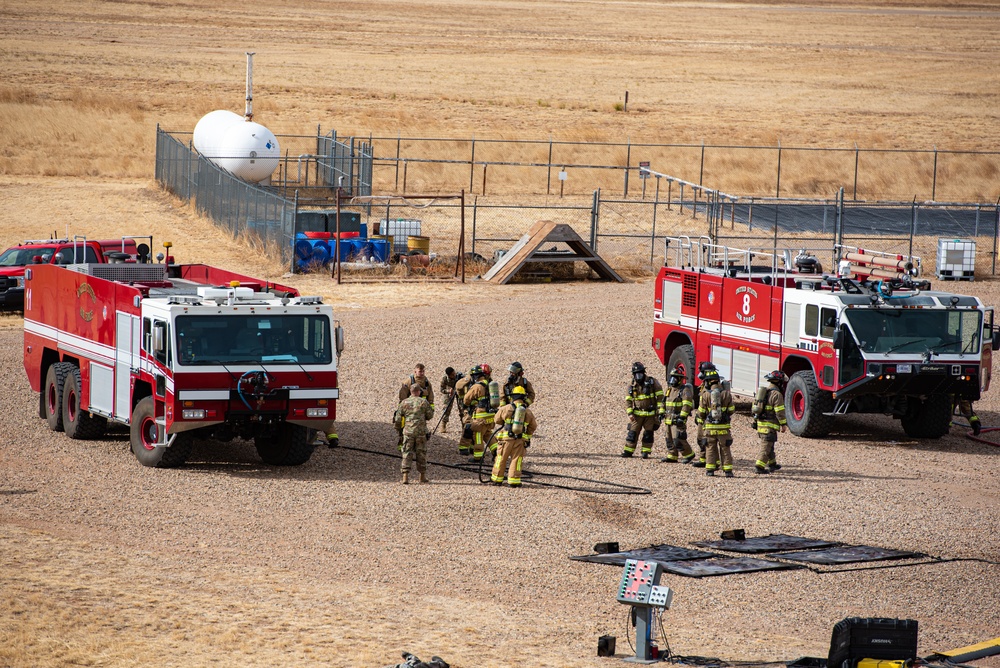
[[55, 382], [78, 423], [143, 436], [928, 419], [290, 446], [805, 405], [683, 356]]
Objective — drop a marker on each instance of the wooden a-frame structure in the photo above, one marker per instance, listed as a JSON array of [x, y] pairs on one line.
[[529, 249]]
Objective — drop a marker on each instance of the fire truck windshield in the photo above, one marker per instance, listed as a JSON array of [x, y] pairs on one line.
[[916, 330], [253, 339]]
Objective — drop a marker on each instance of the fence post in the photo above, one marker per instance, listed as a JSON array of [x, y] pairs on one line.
[[548, 175], [472, 175], [398, 142], [913, 224], [295, 220], [934, 180], [652, 236], [628, 164], [594, 216], [485, 165], [701, 170], [777, 186], [996, 233], [475, 214], [855, 173]]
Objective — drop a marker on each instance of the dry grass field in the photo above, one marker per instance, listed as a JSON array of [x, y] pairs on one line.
[[95, 573]]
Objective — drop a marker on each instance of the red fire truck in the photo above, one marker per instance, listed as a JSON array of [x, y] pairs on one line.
[[868, 338], [178, 353]]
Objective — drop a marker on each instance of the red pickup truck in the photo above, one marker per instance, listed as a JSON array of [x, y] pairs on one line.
[[54, 251]]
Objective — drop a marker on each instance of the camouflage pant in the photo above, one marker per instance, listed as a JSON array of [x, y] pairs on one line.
[[414, 447]]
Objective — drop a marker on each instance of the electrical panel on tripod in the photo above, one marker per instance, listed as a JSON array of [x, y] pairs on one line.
[[857, 638], [638, 581]]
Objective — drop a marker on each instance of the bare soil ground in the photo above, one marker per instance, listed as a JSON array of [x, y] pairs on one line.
[[229, 562]]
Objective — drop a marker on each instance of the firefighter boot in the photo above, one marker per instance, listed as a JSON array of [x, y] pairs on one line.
[[760, 469], [406, 478], [688, 459], [710, 472], [773, 466], [729, 474]]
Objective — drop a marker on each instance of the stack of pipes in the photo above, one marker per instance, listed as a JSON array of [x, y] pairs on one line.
[[877, 266]]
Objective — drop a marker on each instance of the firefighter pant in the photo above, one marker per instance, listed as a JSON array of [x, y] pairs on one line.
[[646, 424], [510, 455], [414, 447], [719, 449], [767, 437], [677, 442], [465, 442], [482, 429]]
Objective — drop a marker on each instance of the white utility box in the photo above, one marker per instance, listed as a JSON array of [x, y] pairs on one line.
[[956, 259]]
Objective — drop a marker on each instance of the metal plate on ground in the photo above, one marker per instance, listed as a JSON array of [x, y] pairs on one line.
[[849, 554], [703, 568], [772, 543], [661, 553]]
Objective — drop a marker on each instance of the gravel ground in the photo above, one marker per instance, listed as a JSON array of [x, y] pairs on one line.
[[480, 575]]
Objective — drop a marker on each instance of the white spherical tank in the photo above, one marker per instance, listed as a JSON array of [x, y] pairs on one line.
[[245, 149]]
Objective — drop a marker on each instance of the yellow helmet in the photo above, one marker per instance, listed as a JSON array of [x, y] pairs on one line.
[[519, 392]]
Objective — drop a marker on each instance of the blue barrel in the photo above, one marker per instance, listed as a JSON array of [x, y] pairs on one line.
[[380, 250], [349, 249], [320, 251], [303, 253]]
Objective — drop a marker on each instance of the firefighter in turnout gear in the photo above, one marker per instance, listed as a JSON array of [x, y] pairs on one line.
[[701, 441], [411, 418], [768, 411], [482, 403], [426, 391], [518, 425], [715, 409], [678, 404], [515, 378], [447, 390], [965, 409], [644, 406], [461, 388]]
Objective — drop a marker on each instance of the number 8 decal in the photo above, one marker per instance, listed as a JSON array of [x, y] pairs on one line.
[[746, 304]]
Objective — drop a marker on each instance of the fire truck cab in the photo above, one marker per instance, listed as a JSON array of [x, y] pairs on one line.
[[868, 338], [178, 353]]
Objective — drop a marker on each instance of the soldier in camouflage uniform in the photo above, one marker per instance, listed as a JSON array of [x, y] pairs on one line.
[[678, 403], [715, 409], [768, 411], [447, 390], [426, 391], [411, 418]]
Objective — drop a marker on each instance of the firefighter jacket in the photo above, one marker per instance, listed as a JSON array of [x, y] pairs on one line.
[[505, 416], [479, 397], [715, 418], [508, 388], [412, 415], [772, 413], [678, 402], [645, 399], [428, 389]]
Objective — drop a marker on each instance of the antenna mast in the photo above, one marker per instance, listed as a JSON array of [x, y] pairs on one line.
[[248, 114]]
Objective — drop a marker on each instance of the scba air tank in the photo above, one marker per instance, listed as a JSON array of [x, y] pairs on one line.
[[494, 394], [517, 423]]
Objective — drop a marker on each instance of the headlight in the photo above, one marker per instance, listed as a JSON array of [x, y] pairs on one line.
[[20, 281], [317, 412], [193, 413]]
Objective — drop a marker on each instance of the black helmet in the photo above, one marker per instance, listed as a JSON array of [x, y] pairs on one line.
[[704, 367], [677, 377], [515, 368], [711, 376], [777, 377], [638, 367]]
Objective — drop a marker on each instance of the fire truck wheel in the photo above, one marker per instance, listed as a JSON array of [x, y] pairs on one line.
[[928, 419], [144, 436], [55, 382], [78, 423], [805, 405], [683, 357], [290, 446]]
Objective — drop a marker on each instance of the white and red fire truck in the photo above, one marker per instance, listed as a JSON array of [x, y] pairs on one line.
[[868, 338], [178, 353]]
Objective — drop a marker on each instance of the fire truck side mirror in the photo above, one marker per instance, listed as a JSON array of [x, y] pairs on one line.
[[838, 339], [159, 338], [338, 334], [996, 339]]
